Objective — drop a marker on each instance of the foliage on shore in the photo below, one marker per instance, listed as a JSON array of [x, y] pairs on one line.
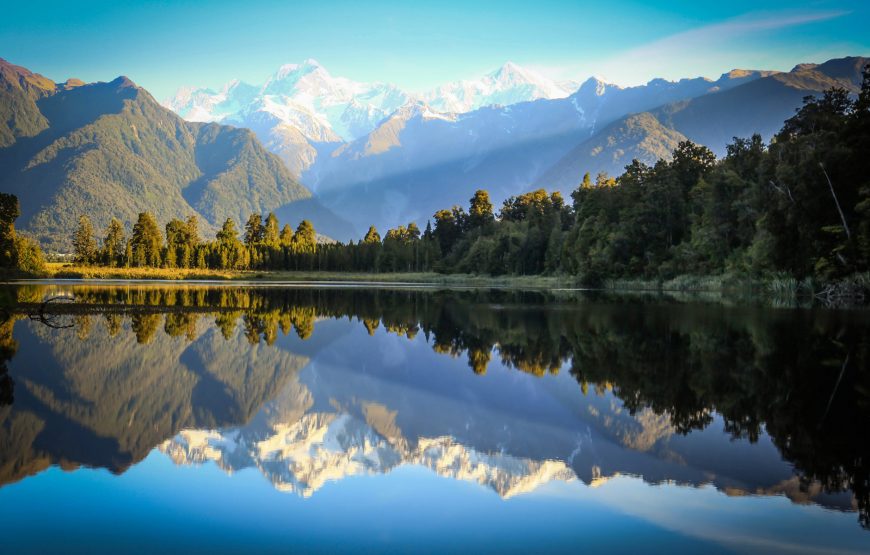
[[19, 255]]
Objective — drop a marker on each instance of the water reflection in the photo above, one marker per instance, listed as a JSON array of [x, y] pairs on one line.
[[511, 390]]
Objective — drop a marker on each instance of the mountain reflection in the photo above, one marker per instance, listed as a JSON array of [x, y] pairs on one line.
[[309, 385]]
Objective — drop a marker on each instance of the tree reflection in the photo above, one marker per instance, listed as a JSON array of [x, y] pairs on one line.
[[801, 375], [8, 347]]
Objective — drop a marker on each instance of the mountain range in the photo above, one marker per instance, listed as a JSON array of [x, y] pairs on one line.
[[346, 154], [302, 110], [508, 131]]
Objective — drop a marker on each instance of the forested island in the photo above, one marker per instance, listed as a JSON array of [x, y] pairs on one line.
[[797, 210]]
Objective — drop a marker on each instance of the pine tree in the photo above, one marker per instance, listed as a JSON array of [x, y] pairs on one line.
[[146, 242], [305, 237], [84, 244], [254, 230], [286, 238], [228, 235], [192, 231], [270, 232], [113, 243]]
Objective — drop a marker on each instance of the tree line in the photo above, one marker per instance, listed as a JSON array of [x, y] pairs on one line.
[[261, 245]]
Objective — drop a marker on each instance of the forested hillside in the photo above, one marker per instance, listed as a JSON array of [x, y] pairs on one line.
[[109, 149]]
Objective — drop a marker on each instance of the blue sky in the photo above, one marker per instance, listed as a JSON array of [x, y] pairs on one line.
[[162, 45]]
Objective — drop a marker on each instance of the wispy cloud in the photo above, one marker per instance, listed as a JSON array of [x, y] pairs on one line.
[[691, 52]]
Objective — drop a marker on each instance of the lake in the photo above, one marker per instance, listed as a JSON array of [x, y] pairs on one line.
[[238, 418]]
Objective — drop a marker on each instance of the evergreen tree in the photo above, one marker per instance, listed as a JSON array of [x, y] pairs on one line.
[[16, 251], [412, 232], [270, 232], [146, 242], [228, 235], [179, 245], [480, 212], [193, 231], [254, 230], [305, 237], [231, 253], [286, 238], [449, 226], [113, 244], [84, 244]]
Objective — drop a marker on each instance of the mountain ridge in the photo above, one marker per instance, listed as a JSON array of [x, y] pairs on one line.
[[110, 150], [757, 106]]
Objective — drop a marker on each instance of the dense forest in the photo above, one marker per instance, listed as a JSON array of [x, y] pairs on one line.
[[799, 206]]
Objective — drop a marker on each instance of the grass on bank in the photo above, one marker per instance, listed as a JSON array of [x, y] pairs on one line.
[[777, 286], [58, 270]]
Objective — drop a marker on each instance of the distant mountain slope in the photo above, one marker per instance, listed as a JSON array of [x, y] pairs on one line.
[[759, 106], [538, 132], [20, 89], [109, 149], [639, 136], [419, 160]]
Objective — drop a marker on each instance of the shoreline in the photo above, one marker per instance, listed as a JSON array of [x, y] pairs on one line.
[[851, 290]]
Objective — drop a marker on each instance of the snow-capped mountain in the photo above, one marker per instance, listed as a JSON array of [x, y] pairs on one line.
[[306, 96], [296, 111], [302, 110], [324, 107], [302, 456], [510, 84], [208, 105]]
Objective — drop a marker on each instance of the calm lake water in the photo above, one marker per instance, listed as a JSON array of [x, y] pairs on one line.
[[143, 418]]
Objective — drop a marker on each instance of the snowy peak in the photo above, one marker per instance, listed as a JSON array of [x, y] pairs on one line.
[[298, 100], [419, 109], [594, 86], [509, 84], [320, 106], [511, 72], [302, 456], [208, 105], [307, 78], [307, 66], [512, 75]]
